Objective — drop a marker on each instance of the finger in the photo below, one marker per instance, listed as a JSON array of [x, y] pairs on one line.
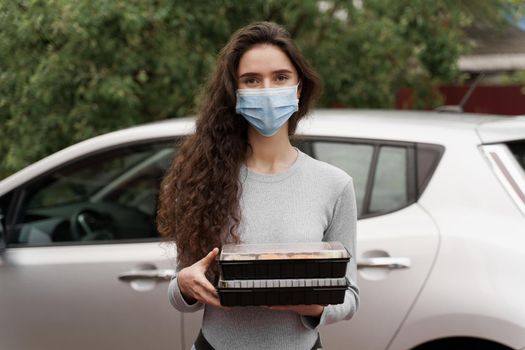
[[207, 286], [208, 259], [215, 301], [220, 305], [204, 289], [209, 299]]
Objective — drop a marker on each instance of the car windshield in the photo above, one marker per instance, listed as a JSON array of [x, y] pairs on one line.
[[518, 151]]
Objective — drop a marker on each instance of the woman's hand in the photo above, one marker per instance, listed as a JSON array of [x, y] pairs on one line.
[[194, 285], [305, 310]]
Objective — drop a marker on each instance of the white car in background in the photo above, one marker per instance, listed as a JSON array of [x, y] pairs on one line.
[[441, 236]]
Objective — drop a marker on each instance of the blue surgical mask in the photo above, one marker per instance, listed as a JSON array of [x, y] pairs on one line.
[[267, 110]]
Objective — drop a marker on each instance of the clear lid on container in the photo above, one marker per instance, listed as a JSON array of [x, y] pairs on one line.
[[284, 251]]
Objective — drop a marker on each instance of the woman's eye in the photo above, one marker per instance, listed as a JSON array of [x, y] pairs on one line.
[[282, 77], [250, 81]]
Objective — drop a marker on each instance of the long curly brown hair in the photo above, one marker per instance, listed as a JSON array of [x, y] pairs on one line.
[[199, 195]]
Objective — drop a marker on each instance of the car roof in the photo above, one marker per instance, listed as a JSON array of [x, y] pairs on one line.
[[416, 126], [402, 125]]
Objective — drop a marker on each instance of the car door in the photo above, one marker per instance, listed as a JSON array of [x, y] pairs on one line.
[[83, 267], [397, 240]]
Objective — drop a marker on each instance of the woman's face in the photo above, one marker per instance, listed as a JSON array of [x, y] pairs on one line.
[[266, 66]]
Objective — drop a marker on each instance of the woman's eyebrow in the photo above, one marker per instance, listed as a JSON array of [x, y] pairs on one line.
[[282, 71], [279, 71], [249, 74]]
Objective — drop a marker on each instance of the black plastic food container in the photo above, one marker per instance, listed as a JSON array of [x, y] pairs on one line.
[[283, 260], [282, 291]]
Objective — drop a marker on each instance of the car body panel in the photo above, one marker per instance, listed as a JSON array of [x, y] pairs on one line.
[[476, 287], [70, 297], [386, 295]]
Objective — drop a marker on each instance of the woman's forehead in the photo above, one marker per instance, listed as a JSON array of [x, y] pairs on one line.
[[264, 59]]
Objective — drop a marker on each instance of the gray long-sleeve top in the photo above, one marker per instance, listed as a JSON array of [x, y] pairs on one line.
[[311, 201]]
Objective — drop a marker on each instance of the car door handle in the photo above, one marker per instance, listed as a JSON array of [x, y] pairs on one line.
[[384, 262], [162, 275]]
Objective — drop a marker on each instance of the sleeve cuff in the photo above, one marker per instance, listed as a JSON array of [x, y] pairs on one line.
[[334, 313], [313, 322], [177, 300]]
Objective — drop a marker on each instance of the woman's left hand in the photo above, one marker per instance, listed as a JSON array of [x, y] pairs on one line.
[[305, 310]]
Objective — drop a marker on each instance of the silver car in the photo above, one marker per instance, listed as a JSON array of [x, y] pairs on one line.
[[441, 236]]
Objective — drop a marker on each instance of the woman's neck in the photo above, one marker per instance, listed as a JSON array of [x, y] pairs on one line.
[[269, 155]]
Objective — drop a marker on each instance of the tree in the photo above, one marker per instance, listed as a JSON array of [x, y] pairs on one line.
[[72, 69]]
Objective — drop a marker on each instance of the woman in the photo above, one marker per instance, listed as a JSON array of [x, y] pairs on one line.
[[239, 179]]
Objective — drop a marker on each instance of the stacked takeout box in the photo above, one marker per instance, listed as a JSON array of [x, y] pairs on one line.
[[283, 274]]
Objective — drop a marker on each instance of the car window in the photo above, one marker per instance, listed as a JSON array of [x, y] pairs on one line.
[[389, 190], [382, 181], [353, 158], [78, 183], [518, 151], [109, 196]]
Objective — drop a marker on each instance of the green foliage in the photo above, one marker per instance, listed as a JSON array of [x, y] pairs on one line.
[[386, 45], [72, 69], [514, 78]]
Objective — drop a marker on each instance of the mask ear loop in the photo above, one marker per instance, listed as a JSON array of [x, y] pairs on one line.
[[299, 87]]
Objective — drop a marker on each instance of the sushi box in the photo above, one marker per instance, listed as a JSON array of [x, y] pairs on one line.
[[283, 260], [282, 291]]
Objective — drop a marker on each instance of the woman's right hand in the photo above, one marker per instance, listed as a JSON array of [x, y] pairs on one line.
[[193, 283]]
